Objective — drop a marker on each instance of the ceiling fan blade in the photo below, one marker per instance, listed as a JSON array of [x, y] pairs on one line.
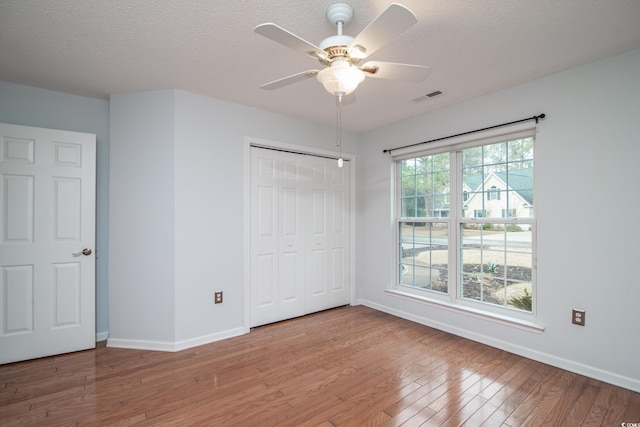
[[290, 40], [393, 71], [393, 21], [285, 81]]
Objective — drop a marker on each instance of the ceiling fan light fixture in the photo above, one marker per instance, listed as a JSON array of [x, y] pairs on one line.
[[341, 78]]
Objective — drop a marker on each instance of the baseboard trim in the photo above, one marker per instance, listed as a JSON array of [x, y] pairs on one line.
[[549, 359], [177, 345]]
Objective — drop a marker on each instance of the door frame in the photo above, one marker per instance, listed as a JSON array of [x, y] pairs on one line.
[[299, 149]]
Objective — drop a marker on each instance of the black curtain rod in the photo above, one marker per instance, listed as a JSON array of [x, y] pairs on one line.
[[536, 118]]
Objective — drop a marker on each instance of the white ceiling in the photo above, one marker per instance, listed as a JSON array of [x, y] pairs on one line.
[[100, 47]]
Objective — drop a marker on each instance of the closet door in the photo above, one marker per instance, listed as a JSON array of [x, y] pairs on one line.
[[277, 265], [328, 245], [291, 223], [299, 235]]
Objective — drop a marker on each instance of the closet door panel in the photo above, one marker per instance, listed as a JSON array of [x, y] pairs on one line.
[[264, 254], [291, 255]]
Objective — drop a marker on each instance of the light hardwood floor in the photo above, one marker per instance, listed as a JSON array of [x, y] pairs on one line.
[[350, 366]]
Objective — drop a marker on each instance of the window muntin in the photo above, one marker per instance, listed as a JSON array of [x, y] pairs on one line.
[[488, 228]]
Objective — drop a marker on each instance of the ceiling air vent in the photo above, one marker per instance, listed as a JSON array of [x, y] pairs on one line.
[[431, 95]]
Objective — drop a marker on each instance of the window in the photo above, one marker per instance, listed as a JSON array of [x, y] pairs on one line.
[[423, 241], [493, 193], [479, 213], [459, 246]]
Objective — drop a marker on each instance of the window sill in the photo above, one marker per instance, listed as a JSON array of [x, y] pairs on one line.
[[470, 311]]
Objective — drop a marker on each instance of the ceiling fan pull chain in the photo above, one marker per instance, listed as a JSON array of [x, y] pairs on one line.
[[338, 120], [339, 126]]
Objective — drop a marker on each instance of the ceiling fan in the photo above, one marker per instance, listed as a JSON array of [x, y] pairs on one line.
[[341, 54]]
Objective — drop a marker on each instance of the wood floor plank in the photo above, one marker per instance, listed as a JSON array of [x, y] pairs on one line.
[[616, 406], [560, 410], [583, 403], [527, 407], [516, 385], [351, 366], [632, 413]]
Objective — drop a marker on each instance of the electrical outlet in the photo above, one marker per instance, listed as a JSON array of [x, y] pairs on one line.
[[578, 317], [217, 297]]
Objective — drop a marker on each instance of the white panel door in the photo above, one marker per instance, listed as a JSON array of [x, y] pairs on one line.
[[277, 247], [47, 235], [299, 256], [328, 260], [264, 250], [291, 240]]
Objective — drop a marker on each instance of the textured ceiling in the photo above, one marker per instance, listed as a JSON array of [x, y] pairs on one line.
[[100, 47]]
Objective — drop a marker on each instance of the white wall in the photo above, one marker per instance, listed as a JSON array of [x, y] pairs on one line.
[[29, 106], [587, 175], [178, 201]]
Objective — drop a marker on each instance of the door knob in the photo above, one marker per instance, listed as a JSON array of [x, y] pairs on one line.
[[85, 252]]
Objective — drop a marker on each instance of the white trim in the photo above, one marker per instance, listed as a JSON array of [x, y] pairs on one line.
[[265, 143], [102, 336], [473, 312], [247, 235], [175, 346], [558, 362]]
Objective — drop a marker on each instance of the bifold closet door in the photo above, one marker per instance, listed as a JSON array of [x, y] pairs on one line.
[[327, 231], [299, 235]]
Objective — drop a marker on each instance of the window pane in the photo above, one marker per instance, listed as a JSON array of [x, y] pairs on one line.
[[428, 179], [497, 180], [520, 183], [496, 264], [495, 154], [408, 167], [408, 207], [424, 256], [520, 149], [408, 185], [472, 157]]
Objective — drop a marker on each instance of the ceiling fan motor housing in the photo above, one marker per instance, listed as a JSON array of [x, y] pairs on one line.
[[339, 12], [336, 47]]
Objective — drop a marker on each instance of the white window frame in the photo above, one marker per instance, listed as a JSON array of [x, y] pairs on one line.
[[454, 301]]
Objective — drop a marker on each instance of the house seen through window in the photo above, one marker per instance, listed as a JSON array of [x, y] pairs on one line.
[[465, 222]]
